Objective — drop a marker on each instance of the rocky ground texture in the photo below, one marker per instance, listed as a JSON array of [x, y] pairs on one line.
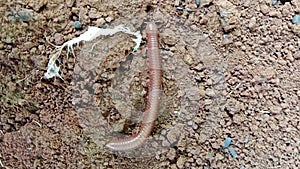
[[231, 84]]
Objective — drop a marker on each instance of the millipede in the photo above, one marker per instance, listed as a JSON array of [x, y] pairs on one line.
[[153, 98]]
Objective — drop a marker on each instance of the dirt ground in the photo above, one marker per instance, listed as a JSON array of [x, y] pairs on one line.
[[231, 80]]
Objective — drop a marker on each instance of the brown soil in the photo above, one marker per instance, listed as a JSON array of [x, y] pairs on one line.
[[231, 69]]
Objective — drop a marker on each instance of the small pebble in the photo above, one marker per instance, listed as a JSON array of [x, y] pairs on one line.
[[296, 19], [58, 38], [274, 2], [210, 93], [77, 25], [197, 2], [219, 156], [23, 15], [188, 10], [180, 8], [232, 152], [180, 162], [184, 9], [227, 142], [109, 19], [287, 142], [246, 140]]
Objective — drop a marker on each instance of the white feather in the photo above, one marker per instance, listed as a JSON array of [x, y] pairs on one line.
[[91, 34]]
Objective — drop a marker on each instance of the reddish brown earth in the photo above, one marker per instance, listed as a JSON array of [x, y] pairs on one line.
[[231, 69]]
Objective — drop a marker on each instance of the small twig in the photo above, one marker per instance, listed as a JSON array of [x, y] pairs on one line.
[[49, 41], [184, 9], [37, 123], [235, 88], [1, 164], [233, 2], [26, 77]]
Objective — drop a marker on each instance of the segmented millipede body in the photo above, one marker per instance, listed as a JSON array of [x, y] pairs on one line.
[[153, 98]]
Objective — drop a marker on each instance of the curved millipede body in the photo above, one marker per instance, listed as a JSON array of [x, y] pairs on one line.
[[154, 95]]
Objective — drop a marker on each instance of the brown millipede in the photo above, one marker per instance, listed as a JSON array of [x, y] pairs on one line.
[[153, 98]]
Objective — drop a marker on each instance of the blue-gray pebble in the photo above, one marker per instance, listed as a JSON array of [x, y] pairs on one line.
[[227, 142], [232, 152], [197, 2], [77, 25], [275, 2], [296, 19]]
